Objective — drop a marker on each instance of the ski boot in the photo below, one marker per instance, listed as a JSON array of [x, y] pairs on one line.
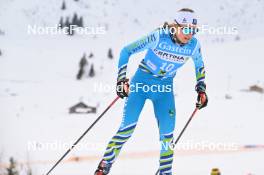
[[168, 173], [103, 168]]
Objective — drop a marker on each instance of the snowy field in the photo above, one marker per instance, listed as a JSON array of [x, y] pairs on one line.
[[38, 85]]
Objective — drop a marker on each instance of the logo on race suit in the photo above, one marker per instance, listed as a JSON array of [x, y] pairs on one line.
[[177, 49], [167, 56], [162, 72], [151, 65], [171, 112], [142, 43]]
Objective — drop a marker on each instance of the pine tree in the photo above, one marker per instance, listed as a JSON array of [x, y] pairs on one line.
[[80, 22], [67, 22], [91, 55], [110, 54], [75, 19], [68, 25], [63, 7], [11, 170], [92, 72], [61, 24], [83, 62], [80, 74]]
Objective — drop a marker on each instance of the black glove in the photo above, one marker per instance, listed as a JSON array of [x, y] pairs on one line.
[[122, 88], [202, 98]]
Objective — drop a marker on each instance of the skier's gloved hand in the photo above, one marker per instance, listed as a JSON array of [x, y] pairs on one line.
[[122, 88], [202, 98]]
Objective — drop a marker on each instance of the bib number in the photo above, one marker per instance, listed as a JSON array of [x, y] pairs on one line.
[[167, 67]]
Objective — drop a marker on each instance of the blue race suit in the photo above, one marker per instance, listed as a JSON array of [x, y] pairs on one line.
[[156, 72]]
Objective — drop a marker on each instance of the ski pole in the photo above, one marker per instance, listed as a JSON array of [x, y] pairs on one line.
[[77, 141], [186, 125]]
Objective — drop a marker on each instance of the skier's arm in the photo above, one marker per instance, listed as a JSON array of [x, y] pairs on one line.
[[199, 64], [200, 87], [147, 42]]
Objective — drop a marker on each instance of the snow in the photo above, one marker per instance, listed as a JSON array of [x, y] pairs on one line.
[[38, 85]]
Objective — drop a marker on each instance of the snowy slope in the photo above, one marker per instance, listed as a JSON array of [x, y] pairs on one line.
[[36, 98], [130, 19], [37, 86]]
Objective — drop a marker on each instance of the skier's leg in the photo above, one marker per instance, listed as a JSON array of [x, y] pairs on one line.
[[164, 107], [132, 108]]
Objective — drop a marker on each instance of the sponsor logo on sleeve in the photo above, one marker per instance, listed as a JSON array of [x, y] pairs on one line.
[[142, 43]]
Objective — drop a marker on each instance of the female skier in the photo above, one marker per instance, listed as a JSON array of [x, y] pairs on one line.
[[168, 48]]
